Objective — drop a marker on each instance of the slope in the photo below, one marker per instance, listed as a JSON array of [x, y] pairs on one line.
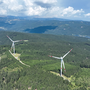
[[14, 75]]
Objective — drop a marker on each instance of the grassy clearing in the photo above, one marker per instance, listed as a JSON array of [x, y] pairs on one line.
[[72, 79], [34, 62], [83, 77], [70, 69], [55, 73], [58, 74], [17, 56], [11, 70], [25, 40], [3, 56]]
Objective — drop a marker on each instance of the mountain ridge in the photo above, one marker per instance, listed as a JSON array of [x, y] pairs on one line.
[[33, 25]]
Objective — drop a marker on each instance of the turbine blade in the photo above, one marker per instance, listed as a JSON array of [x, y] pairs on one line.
[[67, 53], [55, 57], [10, 38], [17, 40]]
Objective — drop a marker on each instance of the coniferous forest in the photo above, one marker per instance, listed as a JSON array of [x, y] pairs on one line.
[[34, 50]]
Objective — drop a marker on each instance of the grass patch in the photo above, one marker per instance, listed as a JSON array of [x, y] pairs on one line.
[[34, 62], [70, 69], [3, 56]]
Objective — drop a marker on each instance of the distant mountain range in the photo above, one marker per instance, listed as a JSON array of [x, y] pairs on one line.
[[31, 18], [56, 26]]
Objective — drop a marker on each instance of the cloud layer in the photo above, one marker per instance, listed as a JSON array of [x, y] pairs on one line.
[[42, 8]]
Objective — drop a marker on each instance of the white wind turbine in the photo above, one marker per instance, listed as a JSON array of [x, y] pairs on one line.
[[62, 62], [13, 45]]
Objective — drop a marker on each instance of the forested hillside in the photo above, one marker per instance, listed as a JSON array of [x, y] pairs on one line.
[[46, 26], [34, 51]]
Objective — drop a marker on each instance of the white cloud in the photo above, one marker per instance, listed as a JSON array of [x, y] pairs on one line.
[[45, 1], [28, 3], [35, 11], [63, 12], [43, 8], [53, 12], [28, 7], [32, 9], [87, 15], [15, 7], [48, 1], [31, 2], [2, 11], [70, 11], [12, 5]]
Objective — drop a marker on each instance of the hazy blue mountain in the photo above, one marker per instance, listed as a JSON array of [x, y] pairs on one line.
[[54, 26], [31, 18]]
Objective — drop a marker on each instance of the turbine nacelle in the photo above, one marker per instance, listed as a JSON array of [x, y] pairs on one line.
[[61, 58]]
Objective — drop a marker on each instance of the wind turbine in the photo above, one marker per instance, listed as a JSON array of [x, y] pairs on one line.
[[13, 45], [62, 62]]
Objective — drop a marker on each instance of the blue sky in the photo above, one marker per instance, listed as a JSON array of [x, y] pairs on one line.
[[67, 9]]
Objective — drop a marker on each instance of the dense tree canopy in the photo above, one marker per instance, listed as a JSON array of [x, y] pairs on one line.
[[34, 52]]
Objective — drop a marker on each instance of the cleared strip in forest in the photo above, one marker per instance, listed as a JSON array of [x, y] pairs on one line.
[[64, 77], [17, 58]]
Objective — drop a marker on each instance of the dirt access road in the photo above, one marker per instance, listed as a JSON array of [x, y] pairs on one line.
[[16, 56]]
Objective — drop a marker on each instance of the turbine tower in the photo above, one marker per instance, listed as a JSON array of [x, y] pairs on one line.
[[62, 62], [13, 45]]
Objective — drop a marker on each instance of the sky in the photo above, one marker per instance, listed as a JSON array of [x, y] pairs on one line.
[[66, 9]]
